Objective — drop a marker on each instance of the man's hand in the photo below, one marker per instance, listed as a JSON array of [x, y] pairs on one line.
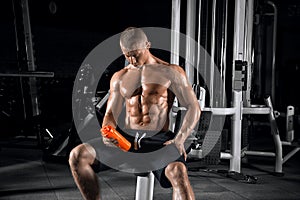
[[110, 142], [179, 145], [112, 138]]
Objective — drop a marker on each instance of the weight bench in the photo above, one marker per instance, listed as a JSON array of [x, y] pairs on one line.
[[144, 187]]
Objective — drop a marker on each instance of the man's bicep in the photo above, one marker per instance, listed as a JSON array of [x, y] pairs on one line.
[[185, 95], [115, 100], [183, 89]]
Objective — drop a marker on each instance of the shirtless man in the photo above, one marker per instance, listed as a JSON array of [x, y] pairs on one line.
[[147, 86]]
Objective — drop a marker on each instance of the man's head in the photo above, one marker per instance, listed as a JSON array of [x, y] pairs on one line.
[[132, 39], [134, 44]]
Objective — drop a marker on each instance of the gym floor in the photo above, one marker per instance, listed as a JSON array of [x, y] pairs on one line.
[[26, 175]]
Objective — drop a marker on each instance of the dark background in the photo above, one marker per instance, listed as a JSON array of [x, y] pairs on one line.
[[64, 37]]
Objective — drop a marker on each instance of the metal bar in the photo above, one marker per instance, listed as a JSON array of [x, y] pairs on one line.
[[257, 110], [224, 54], [190, 37], [175, 32], [144, 187], [235, 161], [16, 12], [215, 111], [103, 101], [238, 43], [285, 143], [212, 56], [225, 155], [290, 154], [260, 153], [175, 44], [30, 58], [221, 111], [199, 43], [205, 69], [274, 51], [272, 119], [248, 50], [29, 74], [276, 137], [28, 36]]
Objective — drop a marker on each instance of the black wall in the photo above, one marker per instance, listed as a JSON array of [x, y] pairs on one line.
[[65, 31]]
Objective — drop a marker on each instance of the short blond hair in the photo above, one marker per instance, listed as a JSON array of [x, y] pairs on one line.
[[133, 38]]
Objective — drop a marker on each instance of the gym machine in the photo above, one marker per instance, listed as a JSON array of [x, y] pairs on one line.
[[27, 73], [241, 77]]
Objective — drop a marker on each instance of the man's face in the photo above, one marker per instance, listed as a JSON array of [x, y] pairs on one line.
[[136, 57]]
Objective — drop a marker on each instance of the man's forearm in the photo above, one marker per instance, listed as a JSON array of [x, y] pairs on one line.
[[109, 120], [190, 120]]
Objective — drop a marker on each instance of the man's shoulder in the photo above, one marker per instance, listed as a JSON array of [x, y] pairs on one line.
[[119, 74], [116, 78], [167, 66], [176, 67], [174, 70]]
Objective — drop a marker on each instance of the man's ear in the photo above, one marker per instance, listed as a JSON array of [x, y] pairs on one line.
[[148, 45]]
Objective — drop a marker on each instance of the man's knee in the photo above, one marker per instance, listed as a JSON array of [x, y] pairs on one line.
[[175, 171], [82, 154]]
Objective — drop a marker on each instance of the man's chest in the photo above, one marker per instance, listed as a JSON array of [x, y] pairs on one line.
[[143, 82]]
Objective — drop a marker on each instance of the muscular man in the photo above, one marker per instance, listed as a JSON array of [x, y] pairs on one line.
[[147, 86]]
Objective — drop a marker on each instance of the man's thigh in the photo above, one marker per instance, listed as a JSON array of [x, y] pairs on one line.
[[161, 176]]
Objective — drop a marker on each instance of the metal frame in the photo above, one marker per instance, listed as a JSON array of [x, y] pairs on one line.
[[278, 154], [241, 102], [248, 51], [212, 56], [29, 74], [144, 187], [30, 58], [274, 49], [190, 48]]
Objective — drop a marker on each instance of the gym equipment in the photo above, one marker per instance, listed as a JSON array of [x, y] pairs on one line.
[[60, 146], [234, 175], [241, 83], [27, 73], [144, 187], [280, 159], [241, 79]]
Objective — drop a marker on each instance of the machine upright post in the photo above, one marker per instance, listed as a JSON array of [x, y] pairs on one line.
[[235, 160], [190, 40], [175, 44], [276, 137], [274, 52], [248, 52], [213, 101], [30, 58], [144, 187], [223, 64], [175, 32], [238, 55]]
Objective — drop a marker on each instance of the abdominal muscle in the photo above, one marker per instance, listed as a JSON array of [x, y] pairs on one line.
[[147, 112]]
